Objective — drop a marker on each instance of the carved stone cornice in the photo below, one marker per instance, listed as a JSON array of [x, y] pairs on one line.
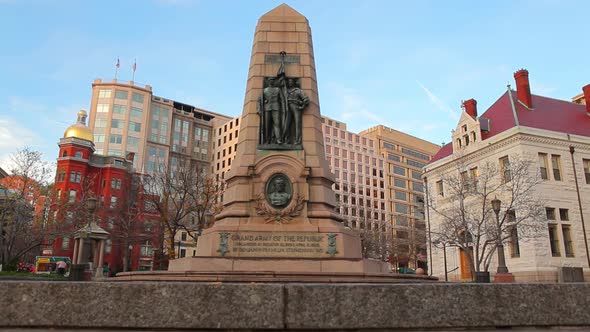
[[516, 138]]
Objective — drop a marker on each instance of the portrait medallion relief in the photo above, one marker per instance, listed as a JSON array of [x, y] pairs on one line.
[[279, 190]]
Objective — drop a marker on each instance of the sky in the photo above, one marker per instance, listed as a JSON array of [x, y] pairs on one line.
[[404, 64]]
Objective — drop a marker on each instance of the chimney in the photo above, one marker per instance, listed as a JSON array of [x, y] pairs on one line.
[[470, 107], [523, 89], [586, 90]]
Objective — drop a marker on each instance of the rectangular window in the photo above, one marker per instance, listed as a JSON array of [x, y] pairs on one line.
[[401, 183], [400, 208], [99, 138], [116, 139], [550, 213], [137, 97], [146, 250], [553, 240], [401, 195], [119, 109], [72, 197], [587, 170], [416, 175], [104, 93], [505, 169], [183, 236], [136, 112], [474, 173], [440, 188], [121, 94], [134, 126], [418, 187], [514, 245], [100, 123], [415, 154], [556, 164], [113, 202], [182, 253], [388, 146], [543, 165], [399, 170], [465, 180], [563, 214], [115, 184], [394, 157], [102, 108], [108, 245], [132, 141], [65, 243], [567, 241], [117, 124], [415, 163]]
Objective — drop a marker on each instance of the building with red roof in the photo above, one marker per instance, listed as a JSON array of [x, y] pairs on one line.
[[554, 136]]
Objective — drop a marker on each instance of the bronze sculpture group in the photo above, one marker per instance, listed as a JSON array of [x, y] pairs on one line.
[[280, 106]]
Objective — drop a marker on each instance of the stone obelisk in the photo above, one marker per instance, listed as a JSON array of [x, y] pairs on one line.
[[279, 207]]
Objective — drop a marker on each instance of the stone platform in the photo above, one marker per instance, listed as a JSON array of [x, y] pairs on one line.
[[286, 306], [265, 269], [272, 277]]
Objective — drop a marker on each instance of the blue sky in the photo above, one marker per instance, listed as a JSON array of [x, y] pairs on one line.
[[404, 64]]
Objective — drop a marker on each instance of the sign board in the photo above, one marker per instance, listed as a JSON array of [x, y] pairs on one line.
[[280, 244]]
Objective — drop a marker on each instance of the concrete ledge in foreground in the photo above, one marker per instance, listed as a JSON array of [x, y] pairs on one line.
[[254, 306]]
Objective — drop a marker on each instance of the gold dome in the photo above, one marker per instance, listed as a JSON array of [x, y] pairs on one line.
[[80, 130]]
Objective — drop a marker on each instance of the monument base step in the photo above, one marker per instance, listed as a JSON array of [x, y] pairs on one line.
[[271, 277], [260, 269]]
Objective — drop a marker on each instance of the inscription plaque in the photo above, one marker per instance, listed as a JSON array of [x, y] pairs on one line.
[[276, 58], [279, 244]]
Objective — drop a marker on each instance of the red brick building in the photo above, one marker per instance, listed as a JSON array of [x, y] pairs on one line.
[[81, 174]]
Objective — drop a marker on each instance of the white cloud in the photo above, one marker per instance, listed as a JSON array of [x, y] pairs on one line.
[[352, 109], [441, 105], [12, 137]]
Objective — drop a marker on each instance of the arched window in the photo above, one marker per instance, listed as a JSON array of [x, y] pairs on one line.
[[64, 154], [78, 154]]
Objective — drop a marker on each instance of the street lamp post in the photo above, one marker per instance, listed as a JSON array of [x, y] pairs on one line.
[[496, 203]]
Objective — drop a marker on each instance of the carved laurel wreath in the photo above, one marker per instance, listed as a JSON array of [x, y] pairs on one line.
[[279, 216]]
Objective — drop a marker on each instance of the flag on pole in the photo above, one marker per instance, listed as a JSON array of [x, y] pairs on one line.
[[117, 65], [134, 68]]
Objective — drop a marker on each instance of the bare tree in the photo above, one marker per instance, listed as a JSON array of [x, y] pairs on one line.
[[184, 196], [461, 204], [20, 194], [129, 222]]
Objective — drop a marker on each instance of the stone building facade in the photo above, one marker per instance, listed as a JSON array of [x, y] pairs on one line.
[[554, 135]]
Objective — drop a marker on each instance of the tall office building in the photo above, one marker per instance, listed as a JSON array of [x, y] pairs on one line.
[[127, 117], [404, 156]]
